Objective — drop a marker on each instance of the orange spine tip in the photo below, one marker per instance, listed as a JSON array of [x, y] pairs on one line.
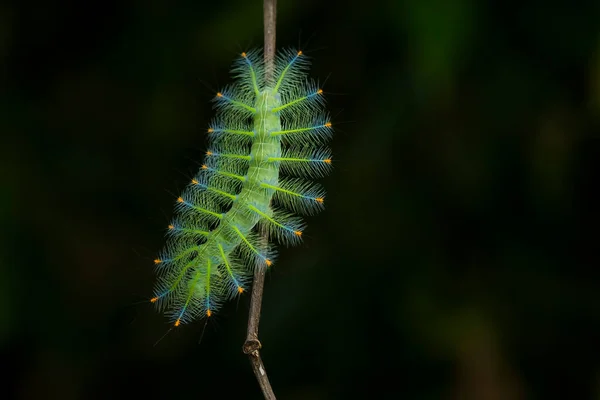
[[154, 300], [319, 200], [204, 166], [209, 153], [298, 233], [219, 94], [171, 226], [210, 130], [178, 322], [240, 290], [195, 182], [328, 124], [244, 54], [300, 52], [157, 261], [180, 199], [327, 161], [320, 91], [208, 313], [268, 262]]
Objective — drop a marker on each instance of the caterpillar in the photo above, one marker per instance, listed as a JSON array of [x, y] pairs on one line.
[[266, 146]]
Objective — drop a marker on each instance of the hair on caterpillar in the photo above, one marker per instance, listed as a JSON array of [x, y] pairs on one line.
[[266, 146]]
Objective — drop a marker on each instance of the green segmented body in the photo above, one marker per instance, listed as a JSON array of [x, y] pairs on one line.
[[260, 131]]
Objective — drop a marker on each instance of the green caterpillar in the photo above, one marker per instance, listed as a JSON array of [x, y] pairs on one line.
[[266, 143]]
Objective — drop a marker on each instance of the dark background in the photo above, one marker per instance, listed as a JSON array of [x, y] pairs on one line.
[[457, 256]]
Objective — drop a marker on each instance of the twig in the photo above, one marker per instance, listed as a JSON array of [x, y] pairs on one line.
[[252, 345], [270, 16]]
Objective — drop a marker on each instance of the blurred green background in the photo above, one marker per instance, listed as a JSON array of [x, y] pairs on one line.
[[457, 257]]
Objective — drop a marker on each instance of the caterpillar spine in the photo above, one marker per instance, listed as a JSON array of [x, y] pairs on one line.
[[266, 144]]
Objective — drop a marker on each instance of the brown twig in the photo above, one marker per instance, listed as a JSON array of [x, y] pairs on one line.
[[252, 345], [270, 16]]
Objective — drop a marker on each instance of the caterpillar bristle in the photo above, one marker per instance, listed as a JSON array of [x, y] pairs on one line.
[[284, 227], [306, 97], [290, 69], [305, 130], [303, 162], [266, 144], [249, 70], [299, 195]]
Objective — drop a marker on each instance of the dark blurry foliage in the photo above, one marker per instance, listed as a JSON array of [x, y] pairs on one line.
[[457, 257]]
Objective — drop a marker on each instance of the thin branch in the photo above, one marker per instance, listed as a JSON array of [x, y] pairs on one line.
[[252, 345], [270, 16]]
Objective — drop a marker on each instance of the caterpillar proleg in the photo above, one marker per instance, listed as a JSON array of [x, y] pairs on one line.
[[266, 145]]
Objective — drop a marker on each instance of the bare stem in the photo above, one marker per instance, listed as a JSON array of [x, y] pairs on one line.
[[270, 16], [252, 345]]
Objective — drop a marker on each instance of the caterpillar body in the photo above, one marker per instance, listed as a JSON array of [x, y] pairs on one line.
[[266, 145]]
